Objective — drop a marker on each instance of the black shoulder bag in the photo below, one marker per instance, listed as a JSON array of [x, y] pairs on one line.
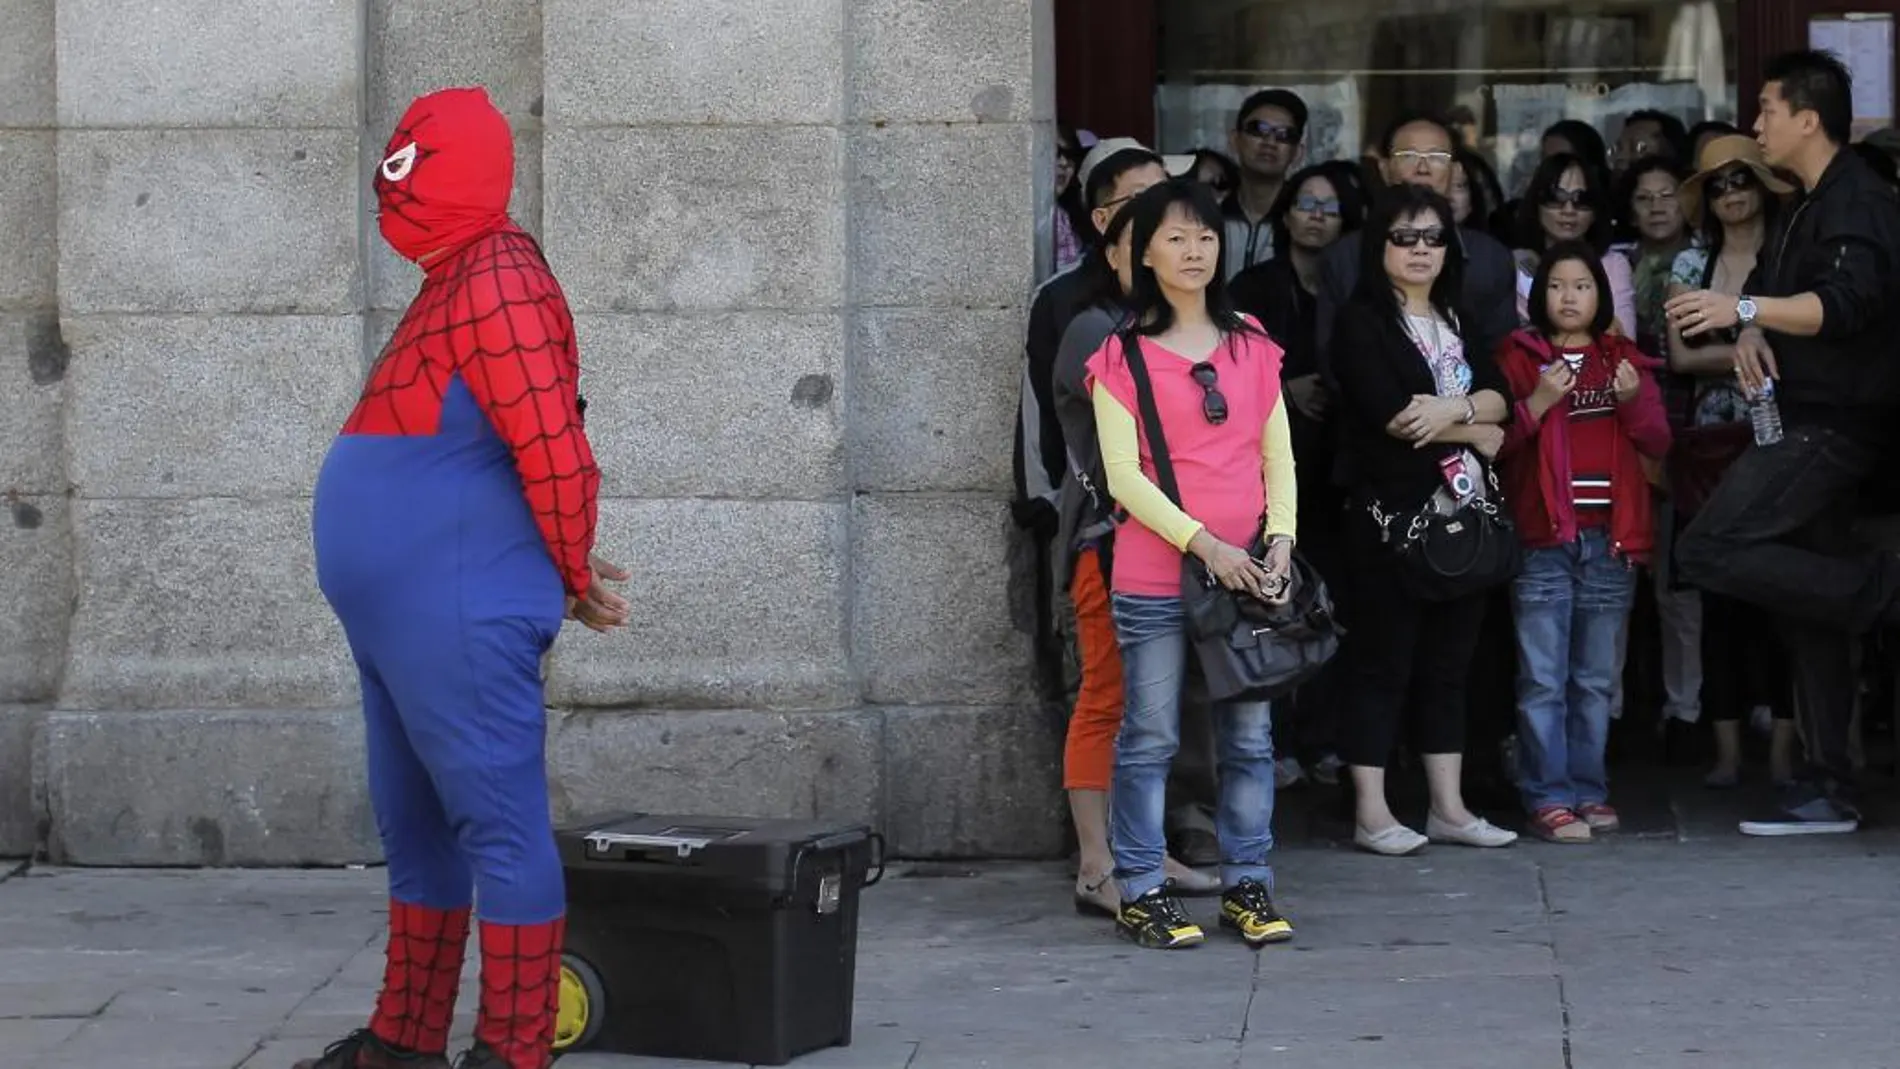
[[1249, 650], [1445, 555]]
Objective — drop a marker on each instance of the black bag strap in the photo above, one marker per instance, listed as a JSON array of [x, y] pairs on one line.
[[1151, 418]]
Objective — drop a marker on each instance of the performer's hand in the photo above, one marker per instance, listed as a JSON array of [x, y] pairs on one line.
[[601, 609], [1754, 361]]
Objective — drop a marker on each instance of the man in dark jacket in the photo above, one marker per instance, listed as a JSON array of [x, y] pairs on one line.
[[1819, 317]]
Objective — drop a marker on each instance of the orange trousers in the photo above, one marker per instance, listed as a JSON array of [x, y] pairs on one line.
[[1088, 757]]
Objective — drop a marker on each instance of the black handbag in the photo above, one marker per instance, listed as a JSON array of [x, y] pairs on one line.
[[1444, 556], [1249, 649]]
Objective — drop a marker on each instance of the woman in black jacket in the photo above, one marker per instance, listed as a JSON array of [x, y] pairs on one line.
[[1420, 420]]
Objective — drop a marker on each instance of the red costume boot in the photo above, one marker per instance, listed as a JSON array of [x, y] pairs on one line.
[[421, 975], [521, 991]]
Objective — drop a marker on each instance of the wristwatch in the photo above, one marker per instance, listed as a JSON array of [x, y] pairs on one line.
[[1745, 311]]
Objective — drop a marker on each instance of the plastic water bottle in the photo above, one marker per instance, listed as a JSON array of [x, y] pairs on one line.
[[1765, 414]]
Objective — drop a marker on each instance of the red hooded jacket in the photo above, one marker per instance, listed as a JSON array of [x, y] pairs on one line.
[[1534, 462]]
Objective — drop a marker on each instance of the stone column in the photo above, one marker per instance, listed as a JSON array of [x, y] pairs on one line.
[[799, 236], [35, 524], [210, 291]]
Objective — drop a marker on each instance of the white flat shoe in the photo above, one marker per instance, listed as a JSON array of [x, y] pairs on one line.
[[1480, 833], [1395, 841]]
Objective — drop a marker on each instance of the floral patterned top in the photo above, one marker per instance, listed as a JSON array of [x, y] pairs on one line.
[[1717, 400]]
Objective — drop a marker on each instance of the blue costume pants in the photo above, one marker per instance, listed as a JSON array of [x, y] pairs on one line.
[[428, 553]]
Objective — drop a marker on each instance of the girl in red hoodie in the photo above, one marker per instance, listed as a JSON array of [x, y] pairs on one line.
[[1572, 461]]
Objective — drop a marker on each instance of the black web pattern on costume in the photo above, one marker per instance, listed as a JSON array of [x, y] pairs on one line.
[[496, 316]]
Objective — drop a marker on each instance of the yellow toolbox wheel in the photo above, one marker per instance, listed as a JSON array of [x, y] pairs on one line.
[[583, 1007]]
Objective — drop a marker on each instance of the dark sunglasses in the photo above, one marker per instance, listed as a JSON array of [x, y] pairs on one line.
[[1731, 181], [1562, 198], [1406, 237], [1213, 404], [1270, 131], [1310, 204]]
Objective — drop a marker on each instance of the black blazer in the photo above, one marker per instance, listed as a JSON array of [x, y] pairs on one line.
[[1378, 369]]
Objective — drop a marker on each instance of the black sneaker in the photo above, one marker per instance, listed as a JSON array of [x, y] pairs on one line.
[[1807, 810], [1158, 921], [1247, 908], [362, 1050]]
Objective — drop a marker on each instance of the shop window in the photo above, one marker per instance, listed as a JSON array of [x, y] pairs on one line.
[[1506, 69]]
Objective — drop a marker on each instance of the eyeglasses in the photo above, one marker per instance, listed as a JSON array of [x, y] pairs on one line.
[[1270, 131], [1652, 200], [1412, 158], [1213, 403], [1566, 198], [1731, 181], [1406, 237], [1323, 206]]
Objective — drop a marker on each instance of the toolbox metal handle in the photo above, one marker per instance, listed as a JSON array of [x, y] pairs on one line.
[[600, 842]]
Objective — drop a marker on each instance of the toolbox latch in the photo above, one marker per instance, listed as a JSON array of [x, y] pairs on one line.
[[830, 893]]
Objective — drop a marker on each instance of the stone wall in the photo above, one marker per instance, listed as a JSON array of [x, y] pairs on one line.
[[798, 236]]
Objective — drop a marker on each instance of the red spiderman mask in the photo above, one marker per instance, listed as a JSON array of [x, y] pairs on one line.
[[447, 174]]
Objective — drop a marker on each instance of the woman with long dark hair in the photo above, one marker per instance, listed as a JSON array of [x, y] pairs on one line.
[[1569, 200], [1213, 378], [1084, 553], [1420, 421]]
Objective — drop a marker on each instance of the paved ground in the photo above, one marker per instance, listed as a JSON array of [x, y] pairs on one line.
[[1688, 946]]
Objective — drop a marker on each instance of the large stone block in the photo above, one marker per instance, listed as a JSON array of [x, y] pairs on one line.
[[736, 605], [29, 217], [973, 782], [225, 406], [202, 603], [907, 433], [697, 217], [33, 365], [27, 92], [945, 215], [614, 63], [238, 787], [209, 63], [418, 46], [925, 60], [19, 816], [394, 280], [36, 583], [931, 604], [209, 221], [740, 405], [822, 766]]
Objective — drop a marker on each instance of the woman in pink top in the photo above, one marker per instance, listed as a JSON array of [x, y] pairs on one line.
[[1216, 383]]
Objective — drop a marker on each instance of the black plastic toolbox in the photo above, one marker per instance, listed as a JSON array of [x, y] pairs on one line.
[[716, 938]]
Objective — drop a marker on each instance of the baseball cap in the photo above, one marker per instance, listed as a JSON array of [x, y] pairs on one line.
[[1176, 166]]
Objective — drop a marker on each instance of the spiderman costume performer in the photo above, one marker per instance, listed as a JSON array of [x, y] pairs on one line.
[[454, 524]]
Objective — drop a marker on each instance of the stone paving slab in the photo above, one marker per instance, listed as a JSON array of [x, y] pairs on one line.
[[1650, 951]]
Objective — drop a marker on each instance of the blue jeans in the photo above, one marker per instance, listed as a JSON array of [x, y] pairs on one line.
[[1154, 647], [1571, 602]]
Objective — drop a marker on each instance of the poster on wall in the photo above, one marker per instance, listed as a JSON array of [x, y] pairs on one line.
[[1193, 117], [1865, 44]]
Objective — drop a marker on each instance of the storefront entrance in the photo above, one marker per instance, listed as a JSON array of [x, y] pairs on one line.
[[1505, 69]]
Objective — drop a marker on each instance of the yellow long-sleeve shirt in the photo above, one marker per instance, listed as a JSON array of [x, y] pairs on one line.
[[1132, 489]]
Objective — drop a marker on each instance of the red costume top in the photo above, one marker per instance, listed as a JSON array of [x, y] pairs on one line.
[[490, 310]]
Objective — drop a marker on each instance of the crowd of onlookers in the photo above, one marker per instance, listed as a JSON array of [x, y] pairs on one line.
[[1653, 383]]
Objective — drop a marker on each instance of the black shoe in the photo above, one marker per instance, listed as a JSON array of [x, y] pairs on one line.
[[1807, 810], [1247, 908], [362, 1050], [480, 1056], [1158, 921], [1197, 848]]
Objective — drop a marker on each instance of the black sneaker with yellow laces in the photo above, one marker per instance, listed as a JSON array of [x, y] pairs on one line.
[[1247, 908], [1158, 921]]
